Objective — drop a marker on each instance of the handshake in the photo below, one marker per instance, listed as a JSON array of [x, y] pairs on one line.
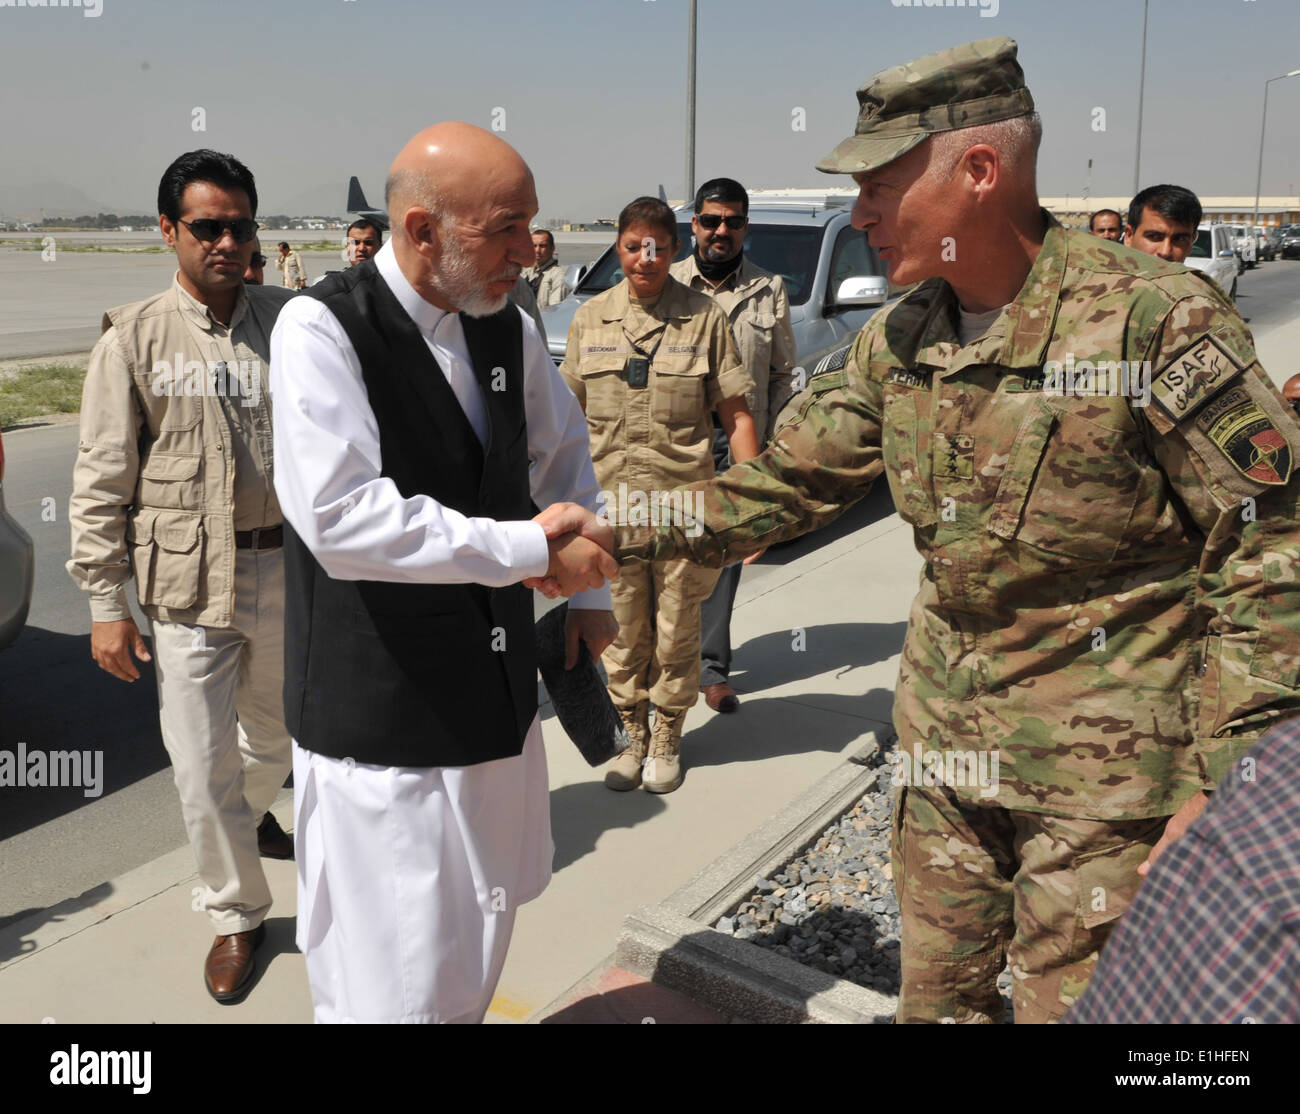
[[581, 547]]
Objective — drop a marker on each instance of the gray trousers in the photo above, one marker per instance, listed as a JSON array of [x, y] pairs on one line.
[[715, 612]]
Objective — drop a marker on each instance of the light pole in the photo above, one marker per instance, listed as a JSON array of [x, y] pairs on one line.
[[1142, 86], [1259, 173], [690, 108]]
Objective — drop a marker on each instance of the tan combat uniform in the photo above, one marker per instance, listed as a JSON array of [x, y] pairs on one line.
[[645, 442], [1109, 613]]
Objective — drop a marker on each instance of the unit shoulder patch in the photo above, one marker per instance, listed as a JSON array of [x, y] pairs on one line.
[[1252, 442]]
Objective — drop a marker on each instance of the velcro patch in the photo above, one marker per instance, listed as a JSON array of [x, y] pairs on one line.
[[684, 349], [1194, 376], [597, 349], [954, 456], [909, 377], [1247, 436]]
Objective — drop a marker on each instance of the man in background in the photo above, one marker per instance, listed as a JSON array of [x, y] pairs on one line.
[[1162, 221]]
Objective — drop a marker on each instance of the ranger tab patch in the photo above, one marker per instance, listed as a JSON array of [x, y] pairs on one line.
[[1247, 437], [1192, 377]]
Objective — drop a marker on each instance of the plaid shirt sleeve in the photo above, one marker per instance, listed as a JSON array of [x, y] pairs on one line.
[[1214, 934]]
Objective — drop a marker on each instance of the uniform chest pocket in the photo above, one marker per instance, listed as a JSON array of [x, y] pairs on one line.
[[603, 388], [678, 389], [909, 479], [1069, 488]]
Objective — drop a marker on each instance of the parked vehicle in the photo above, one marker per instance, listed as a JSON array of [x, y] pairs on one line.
[[1291, 244], [1213, 254], [1265, 248], [17, 569], [1245, 244], [834, 279]]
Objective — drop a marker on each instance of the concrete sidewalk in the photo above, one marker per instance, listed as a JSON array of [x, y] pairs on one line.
[[817, 630]]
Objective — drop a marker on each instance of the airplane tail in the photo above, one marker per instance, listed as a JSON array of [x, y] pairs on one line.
[[663, 196], [357, 202]]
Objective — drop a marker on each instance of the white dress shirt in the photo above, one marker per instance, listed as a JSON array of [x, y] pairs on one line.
[[353, 519]]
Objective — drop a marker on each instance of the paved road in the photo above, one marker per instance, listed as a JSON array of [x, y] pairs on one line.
[[56, 843]]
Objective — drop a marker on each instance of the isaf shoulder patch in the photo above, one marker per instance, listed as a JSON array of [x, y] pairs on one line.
[[1194, 376], [1238, 427]]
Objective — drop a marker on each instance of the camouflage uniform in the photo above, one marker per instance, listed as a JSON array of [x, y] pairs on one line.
[[1108, 604], [647, 441]]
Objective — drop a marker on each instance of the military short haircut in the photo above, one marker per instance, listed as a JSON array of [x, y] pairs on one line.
[[550, 238], [649, 211], [224, 171], [724, 191], [1174, 203], [366, 222], [1092, 220]]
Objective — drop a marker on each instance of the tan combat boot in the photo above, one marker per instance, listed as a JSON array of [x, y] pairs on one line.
[[663, 768], [624, 772]]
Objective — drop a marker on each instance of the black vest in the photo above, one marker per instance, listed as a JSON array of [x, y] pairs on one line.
[[399, 674]]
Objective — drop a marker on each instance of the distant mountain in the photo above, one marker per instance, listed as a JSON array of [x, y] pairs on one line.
[[57, 199]]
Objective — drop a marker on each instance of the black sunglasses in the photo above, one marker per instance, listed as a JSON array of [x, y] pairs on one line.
[[207, 229], [259, 260], [712, 220]]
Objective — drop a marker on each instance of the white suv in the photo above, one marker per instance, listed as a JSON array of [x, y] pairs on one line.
[[1213, 254]]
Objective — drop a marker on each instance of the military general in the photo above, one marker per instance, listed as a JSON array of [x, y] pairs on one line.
[[1100, 478]]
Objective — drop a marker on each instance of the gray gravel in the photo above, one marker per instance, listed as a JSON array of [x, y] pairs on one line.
[[833, 907]]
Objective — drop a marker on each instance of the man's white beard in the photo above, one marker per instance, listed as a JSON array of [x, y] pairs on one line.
[[456, 279]]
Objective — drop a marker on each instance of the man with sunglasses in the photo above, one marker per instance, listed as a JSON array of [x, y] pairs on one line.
[[174, 472], [254, 273], [758, 308]]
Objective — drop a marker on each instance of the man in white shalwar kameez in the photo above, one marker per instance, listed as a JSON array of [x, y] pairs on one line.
[[411, 868]]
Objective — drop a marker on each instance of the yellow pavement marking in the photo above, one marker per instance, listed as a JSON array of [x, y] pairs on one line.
[[506, 1007]]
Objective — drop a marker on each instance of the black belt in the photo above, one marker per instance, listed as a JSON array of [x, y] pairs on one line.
[[264, 537]]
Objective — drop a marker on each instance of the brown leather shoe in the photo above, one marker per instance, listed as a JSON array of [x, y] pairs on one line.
[[721, 697], [273, 842], [228, 971]]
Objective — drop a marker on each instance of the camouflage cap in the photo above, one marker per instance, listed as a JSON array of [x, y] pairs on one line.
[[962, 87]]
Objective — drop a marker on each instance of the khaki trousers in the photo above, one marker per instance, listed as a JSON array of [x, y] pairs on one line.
[[656, 656], [221, 705]]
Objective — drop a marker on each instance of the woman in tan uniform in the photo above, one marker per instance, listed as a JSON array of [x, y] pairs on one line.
[[650, 360]]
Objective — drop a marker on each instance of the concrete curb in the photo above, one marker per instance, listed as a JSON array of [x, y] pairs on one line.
[[675, 945]]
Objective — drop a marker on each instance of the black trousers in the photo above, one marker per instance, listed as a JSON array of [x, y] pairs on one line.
[[715, 612]]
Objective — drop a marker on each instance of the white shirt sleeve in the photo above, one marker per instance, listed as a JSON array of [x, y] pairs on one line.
[[559, 446], [327, 476]]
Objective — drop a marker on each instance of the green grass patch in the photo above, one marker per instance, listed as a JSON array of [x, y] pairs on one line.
[[43, 389]]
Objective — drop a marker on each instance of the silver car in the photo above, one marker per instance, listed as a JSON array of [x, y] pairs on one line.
[[17, 568], [834, 279]]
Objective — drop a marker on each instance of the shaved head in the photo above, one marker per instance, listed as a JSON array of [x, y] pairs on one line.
[[459, 201]]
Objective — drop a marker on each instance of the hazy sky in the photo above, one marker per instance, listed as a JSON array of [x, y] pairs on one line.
[[592, 92]]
